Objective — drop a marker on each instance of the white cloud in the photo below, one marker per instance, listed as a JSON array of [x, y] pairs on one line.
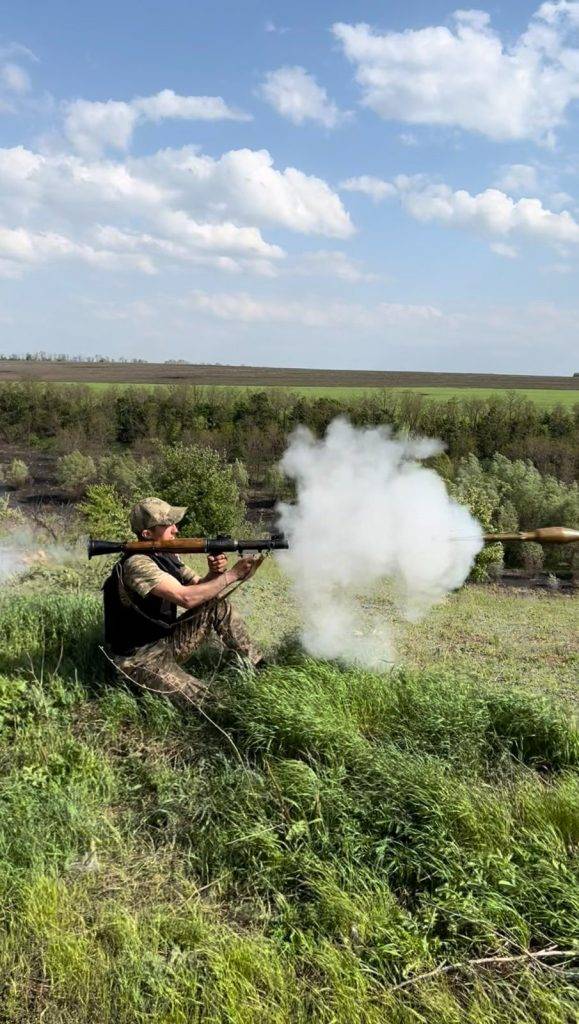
[[244, 184], [491, 213], [167, 104], [20, 246], [175, 206], [295, 94], [502, 249], [518, 179], [94, 126], [270, 26], [558, 268], [244, 308], [561, 200], [376, 188], [330, 263], [15, 78], [467, 77]]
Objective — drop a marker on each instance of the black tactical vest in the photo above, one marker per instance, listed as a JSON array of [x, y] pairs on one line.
[[132, 621]]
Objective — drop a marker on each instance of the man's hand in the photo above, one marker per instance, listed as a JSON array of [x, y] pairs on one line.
[[217, 564]]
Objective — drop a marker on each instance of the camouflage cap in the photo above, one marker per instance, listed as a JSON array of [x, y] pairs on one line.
[[154, 512]]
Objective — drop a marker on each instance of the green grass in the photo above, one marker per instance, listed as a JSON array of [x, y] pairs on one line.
[[544, 397], [339, 834], [478, 632]]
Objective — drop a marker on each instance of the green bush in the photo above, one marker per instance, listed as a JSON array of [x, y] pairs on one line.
[[277, 483], [199, 478], [512, 495], [240, 474], [130, 477], [75, 471], [16, 474], [105, 513], [473, 488], [538, 500], [9, 516]]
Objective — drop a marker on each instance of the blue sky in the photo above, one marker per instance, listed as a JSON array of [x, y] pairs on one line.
[[353, 185]]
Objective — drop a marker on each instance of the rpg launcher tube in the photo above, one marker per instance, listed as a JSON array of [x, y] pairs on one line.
[[544, 535], [188, 545]]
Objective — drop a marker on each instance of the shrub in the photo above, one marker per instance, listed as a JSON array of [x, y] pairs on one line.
[[532, 557], [105, 513], [9, 516], [16, 474], [475, 490], [278, 483], [240, 474], [129, 477], [75, 471], [199, 478], [539, 500]]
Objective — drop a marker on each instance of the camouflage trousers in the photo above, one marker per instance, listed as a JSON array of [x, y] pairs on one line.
[[157, 667]]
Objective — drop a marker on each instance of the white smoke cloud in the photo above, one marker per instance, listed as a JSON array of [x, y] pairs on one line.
[[22, 549], [367, 511]]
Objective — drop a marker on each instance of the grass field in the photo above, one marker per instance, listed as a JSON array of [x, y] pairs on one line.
[[545, 398], [313, 851]]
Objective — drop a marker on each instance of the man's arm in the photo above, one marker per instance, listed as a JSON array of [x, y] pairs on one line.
[[195, 594]]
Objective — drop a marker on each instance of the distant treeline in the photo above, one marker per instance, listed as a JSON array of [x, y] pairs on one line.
[[254, 425], [62, 357]]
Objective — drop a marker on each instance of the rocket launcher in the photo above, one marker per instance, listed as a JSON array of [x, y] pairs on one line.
[[188, 545]]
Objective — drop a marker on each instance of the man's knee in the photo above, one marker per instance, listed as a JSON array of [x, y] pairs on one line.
[[163, 677]]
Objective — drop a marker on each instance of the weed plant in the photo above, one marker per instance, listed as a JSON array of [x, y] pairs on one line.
[[322, 839]]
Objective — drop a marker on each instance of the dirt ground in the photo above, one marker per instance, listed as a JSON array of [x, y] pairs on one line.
[[265, 376]]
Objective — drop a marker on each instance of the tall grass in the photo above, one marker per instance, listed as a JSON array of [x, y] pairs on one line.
[[325, 838]]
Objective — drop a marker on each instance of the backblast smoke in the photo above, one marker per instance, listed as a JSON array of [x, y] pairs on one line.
[[20, 550], [367, 511]]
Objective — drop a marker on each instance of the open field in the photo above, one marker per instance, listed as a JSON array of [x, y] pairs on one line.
[[314, 850], [545, 398], [264, 376]]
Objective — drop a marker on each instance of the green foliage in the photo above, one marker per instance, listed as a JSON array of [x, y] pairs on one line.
[[130, 477], [254, 426], [339, 837], [75, 471], [16, 474], [240, 475], [199, 478], [105, 513], [539, 500], [9, 516], [473, 488], [277, 483], [532, 557], [511, 495]]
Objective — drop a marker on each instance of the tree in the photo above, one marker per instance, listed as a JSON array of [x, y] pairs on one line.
[[199, 478], [75, 471], [105, 513], [131, 478]]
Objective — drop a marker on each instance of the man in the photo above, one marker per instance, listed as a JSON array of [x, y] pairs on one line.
[[147, 637]]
